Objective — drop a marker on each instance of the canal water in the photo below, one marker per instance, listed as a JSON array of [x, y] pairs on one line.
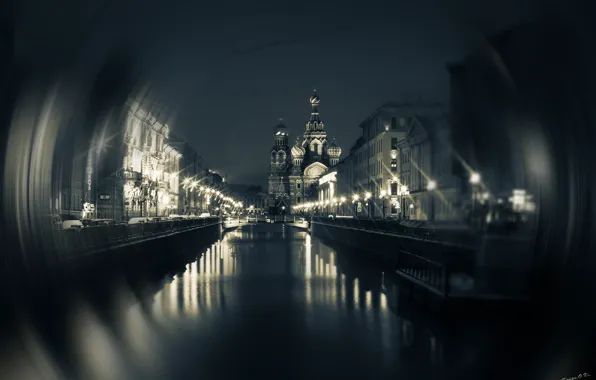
[[267, 301]]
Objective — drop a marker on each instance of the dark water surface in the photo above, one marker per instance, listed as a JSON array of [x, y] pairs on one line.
[[267, 301]]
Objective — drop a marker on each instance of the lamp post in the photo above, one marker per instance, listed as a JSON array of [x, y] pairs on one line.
[[367, 197], [403, 191], [474, 181], [383, 194], [431, 186]]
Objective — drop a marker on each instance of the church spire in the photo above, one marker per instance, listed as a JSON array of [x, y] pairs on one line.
[[314, 102], [314, 123]]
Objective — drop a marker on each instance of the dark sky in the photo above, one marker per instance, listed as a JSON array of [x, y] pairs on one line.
[[231, 71]]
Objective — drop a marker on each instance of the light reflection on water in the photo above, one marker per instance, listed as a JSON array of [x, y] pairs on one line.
[[329, 295], [269, 298]]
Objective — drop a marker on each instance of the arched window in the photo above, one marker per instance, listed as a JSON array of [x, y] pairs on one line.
[[273, 157]]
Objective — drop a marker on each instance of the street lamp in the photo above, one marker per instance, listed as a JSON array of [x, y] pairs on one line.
[[383, 195], [475, 181], [475, 178], [431, 186], [403, 191], [367, 196]]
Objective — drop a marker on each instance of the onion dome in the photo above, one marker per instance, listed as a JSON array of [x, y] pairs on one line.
[[333, 150], [280, 129], [298, 150]]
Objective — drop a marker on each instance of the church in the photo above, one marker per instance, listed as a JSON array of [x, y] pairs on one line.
[[295, 170]]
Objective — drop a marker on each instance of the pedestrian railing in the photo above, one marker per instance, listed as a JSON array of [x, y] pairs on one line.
[[465, 237], [430, 274], [104, 237]]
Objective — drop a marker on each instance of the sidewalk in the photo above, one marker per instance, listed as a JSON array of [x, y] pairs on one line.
[[439, 226]]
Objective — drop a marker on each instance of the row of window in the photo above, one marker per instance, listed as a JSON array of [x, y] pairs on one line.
[[405, 157], [377, 147]]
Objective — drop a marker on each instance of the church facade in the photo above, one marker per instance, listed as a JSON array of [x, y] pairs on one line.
[[294, 171]]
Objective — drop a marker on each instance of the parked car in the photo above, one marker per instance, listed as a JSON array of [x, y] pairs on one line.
[[71, 224], [98, 222], [138, 220]]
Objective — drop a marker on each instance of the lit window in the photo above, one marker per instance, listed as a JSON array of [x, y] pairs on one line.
[[393, 165]]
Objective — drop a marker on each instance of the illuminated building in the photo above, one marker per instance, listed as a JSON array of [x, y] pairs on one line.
[[151, 166], [191, 170], [403, 148], [294, 171], [253, 198]]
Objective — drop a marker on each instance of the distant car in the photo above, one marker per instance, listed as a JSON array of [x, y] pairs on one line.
[[205, 215], [138, 220], [98, 222], [331, 217], [72, 224]]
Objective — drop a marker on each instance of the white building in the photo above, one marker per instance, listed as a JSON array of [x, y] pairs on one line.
[[401, 165], [150, 165], [294, 171]]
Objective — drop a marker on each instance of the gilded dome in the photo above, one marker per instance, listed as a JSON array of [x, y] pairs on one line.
[[333, 150], [280, 129], [298, 150]]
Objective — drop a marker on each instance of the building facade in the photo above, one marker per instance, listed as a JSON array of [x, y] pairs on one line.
[[191, 176], [427, 188], [294, 171], [401, 165], [253, 198], [493, 129], [151, 166]]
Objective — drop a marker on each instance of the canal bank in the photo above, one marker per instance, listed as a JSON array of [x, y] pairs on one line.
[[278, 302], [446, 276], [153, 250]]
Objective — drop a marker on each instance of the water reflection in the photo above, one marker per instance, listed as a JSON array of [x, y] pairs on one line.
[[283, 287], [278, 302]]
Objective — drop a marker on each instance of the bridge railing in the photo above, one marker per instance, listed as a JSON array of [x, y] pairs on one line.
[[431, 274], [103, 237], [413, 229]]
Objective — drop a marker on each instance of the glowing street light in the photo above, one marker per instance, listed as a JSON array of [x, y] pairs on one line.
[[474, 178], [383, 193], [355, 197], [431, 185]]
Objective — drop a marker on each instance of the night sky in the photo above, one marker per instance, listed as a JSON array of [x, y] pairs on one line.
[[231, 71]]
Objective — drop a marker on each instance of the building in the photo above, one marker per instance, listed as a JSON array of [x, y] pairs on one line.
[[193, 176], [487, 123], [294, 171], [253, 198], [214, 181], [151, 166], [403, 148], [89, 180], [427, 188]]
